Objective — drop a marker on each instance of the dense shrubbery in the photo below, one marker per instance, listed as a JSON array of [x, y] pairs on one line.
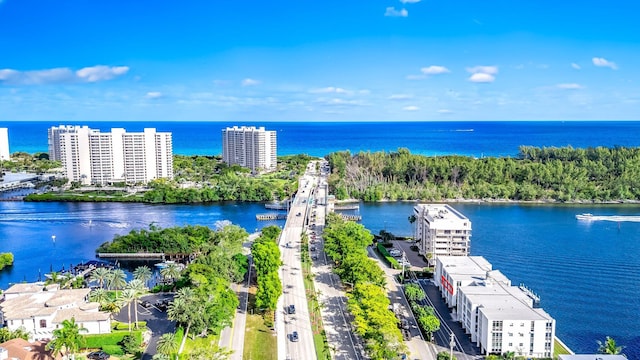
[[560, 174], [266, 259], [96, 341], [186, 239], [346, 243], [6, 259], [390, 259]]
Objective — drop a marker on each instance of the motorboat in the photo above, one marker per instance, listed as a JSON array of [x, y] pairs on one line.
[[585, 216]]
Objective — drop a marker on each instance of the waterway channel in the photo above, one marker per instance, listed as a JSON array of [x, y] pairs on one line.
[[586, 273]]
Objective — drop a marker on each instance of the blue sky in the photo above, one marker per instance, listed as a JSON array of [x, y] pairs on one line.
[[319, 60]]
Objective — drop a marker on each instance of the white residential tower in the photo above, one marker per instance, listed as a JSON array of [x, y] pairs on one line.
[[251, 147]]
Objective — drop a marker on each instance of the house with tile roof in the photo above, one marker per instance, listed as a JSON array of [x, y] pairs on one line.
[[40, 309]]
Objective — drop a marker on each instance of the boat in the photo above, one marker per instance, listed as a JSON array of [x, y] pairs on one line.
[[584, 216], [164, 264]]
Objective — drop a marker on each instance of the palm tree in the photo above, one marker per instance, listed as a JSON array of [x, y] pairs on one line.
[[609, 347], [99, 295], [125, 299], [117, 279], [167, 344], [138, 288], [184, 309], [101, 275], [67, 337], [171, 271], [143, 273]]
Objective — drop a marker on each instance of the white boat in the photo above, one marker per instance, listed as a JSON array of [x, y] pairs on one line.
[[164, 264], [585, 216]]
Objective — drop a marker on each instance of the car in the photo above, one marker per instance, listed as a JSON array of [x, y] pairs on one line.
[[314, 257], [291, 309], [312, 248], [288, 244], [414, 247], [145, 304], [98, 355], [395, 252], [294, 336], [298, 214]]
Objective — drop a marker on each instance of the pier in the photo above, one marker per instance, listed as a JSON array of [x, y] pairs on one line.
[[346, 207], [277, 206], [272, 216], [133, 256]]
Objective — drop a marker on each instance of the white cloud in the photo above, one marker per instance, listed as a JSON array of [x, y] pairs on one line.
[[329, 90], [339, 102], [434, 70], [411, 108], [153, 95], [491, 70], [409, 1], [400, 97], [250, 82], [391, 11], [570, 86], [602, 62], [101, 72], [445, 111], [61, 75], [482, 78], [576, 66]]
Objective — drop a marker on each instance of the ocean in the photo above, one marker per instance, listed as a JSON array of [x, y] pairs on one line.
[[476, 139]]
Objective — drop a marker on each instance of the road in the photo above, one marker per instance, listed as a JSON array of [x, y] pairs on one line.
[[156, 320], [293, 284], [344, 344]]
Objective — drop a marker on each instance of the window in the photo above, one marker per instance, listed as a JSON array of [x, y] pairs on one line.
[[43, 323], [510, 344]]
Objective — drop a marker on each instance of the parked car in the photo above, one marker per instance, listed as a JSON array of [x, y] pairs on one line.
[[294, 336], [98, 355], [414, 247], [395, 252], [312, 248], [291, 309], [145, 304]]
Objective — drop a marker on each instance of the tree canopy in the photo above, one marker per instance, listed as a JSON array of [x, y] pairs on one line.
[[559, 174]]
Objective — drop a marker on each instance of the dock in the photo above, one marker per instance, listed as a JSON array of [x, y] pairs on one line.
[[272, 216], [277, 206], [141, 256], [346, 207]]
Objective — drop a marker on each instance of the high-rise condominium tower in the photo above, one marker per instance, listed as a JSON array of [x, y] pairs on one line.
[[92, 157], [251, 147]]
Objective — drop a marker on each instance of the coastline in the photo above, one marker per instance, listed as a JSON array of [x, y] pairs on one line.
[[502, 201]]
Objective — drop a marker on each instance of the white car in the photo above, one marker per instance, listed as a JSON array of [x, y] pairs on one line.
[[395, 252]]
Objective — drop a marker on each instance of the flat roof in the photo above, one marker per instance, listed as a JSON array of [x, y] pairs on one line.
[[469, 265], [592, 357], [442, 212], [507, 307]]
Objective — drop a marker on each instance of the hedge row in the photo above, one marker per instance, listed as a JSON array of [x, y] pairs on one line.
[[117, 325], [390, 259]]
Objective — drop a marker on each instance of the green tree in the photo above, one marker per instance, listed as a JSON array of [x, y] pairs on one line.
[[609, 346], [99, 295], [167, 345], [100, 275], [127, 296], [186, 309], [67, 337], [143, 273], [171, 271], [117, 280], [269, 290], [138, 288]]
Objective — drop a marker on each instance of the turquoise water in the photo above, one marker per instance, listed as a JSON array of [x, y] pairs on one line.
[[585, 273], [429, 138]]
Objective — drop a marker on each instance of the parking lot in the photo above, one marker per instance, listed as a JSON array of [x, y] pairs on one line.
[[417, 261]]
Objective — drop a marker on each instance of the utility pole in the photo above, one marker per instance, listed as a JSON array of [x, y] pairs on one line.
[[404, 261], [452, 342]]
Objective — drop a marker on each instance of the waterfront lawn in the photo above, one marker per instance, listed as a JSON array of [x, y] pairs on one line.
[[558, 349], [200, 343], [260, 342]]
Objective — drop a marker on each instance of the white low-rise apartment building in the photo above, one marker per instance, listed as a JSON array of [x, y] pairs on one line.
[[4, 144], [89, 156], [441, 230], [498, 317], [452, 272], [250, 147], [39, 310]]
